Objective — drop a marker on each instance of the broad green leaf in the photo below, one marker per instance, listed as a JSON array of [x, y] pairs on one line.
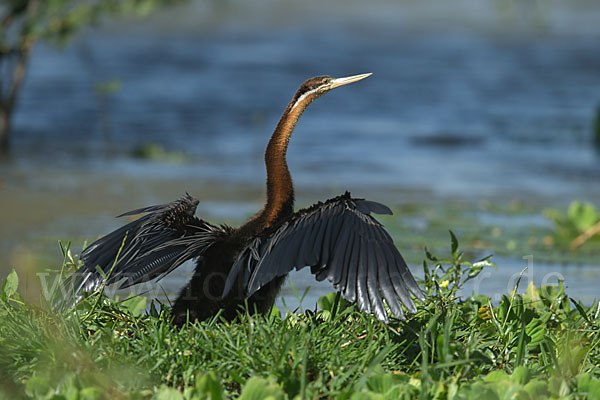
[[10, 285], [536, 331], [167, 393], [208, 386], [586, 385], [37, 387], [327, 301], [383, 383], [582, 215], [135, 304], [521, 375], [496, 376], [259, 389], [90, 393], [537, 389], [480, 391]]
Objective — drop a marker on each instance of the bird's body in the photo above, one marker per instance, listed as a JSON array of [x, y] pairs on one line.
[[202, 297], [246, 266]]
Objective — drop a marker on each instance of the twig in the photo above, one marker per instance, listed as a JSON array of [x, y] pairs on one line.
[[585, 236]]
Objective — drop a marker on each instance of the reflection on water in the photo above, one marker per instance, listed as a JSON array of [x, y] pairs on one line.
[[455, 114]]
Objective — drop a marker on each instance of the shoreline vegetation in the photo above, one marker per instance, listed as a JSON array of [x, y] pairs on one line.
[[538, 344], [505, 228]]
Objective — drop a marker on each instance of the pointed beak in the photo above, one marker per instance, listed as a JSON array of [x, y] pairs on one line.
[[337, 82]]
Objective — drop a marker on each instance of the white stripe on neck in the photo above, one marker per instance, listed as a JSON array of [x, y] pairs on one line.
[[304, 96]]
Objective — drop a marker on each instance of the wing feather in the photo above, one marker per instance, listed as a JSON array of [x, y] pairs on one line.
[[343, 282], [373, 285], [149, 247], [397, 282], [305, 254], [386, 284], [362, 298], [336, 267], [352, 267], [326, 247], [341, 241]]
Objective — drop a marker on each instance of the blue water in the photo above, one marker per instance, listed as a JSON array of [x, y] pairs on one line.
[[450, 112]]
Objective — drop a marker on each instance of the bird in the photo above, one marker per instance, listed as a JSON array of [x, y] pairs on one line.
[[244, 268]]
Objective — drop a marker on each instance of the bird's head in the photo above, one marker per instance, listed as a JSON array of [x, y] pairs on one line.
[[319, 85]]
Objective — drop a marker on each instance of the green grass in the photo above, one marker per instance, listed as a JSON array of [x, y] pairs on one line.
[[540, 344]]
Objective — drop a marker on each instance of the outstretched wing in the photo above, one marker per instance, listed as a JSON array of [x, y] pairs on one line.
[[342, 242], [147, 248]]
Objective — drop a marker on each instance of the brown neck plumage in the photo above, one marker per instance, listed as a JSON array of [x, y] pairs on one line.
[[280, 188]]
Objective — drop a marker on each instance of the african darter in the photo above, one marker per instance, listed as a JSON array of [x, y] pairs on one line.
[[338, 239]]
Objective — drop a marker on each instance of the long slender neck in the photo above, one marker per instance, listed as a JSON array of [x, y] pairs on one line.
[[280, 188]]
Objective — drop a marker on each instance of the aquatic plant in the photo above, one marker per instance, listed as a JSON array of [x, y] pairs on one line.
[[157, 152], [580, 223]]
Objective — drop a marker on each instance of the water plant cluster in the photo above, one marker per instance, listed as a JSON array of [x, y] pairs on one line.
[[561, 236], [580, 224], [534, 345]]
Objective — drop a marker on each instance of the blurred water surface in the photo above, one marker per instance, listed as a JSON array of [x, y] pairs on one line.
[[453, 110]]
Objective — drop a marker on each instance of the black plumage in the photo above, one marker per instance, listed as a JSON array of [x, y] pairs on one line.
[[319, 237], [339, 239]]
